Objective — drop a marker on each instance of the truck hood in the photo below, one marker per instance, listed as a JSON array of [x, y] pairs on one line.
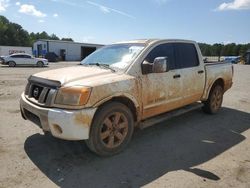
[[77, 75]]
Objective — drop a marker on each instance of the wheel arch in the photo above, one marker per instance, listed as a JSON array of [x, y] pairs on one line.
[[218, 81], [39, 62], [125, 99], [7, 62]]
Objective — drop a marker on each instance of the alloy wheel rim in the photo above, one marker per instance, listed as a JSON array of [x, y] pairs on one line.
[[216, 99], [114, 130]]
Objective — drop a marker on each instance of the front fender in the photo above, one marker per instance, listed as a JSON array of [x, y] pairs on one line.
[[121, 96], [126, 95]]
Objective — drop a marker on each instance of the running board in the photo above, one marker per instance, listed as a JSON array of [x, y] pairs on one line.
[[163, 117]]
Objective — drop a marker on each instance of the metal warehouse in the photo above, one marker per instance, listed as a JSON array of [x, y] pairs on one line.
[[66, 50]]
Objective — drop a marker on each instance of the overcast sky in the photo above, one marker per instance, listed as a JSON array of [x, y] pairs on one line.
[[107, 21]]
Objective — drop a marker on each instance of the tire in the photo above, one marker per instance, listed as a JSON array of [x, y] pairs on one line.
[[40, 64], [111, 129], [214, 101], [12, 64]]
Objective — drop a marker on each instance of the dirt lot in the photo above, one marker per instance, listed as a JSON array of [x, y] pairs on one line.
[[193, 150]]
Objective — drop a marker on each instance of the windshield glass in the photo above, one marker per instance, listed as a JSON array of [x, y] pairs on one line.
[[117, 56]]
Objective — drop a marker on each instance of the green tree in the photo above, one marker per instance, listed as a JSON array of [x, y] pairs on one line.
[[12, 34], [67, 39], [205, 49], [44, 35], [54, 37], [4, 23]]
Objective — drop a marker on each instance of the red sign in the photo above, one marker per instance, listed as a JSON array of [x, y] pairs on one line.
[[15, 51]]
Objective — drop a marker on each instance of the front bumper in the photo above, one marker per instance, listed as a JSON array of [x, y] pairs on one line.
[[64, 124], [2, 62]]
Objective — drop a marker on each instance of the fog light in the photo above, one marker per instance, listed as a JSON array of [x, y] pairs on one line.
[[57, 129]]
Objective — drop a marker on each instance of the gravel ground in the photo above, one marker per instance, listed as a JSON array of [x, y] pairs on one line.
[[193, 150]]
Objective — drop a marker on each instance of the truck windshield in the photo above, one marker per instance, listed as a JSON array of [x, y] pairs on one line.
[[116, 57]]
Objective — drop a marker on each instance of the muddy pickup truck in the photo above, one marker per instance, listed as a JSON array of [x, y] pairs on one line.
[[123, 86]]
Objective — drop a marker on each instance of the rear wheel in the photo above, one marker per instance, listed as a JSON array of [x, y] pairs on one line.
[[40, 64], [111, 129], [12, 64], [214, 101]]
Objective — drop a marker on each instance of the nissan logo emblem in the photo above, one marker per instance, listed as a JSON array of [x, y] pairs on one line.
[[36, 92]]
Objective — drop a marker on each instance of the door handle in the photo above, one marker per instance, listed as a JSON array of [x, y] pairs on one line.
[[200, 71], [176, 76]]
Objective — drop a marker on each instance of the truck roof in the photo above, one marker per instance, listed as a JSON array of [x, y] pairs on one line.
[[148, 41], [19, 54]]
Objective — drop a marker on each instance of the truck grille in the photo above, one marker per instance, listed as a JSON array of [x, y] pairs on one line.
[[39, 94]]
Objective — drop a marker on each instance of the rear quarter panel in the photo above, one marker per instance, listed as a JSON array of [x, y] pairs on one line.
[[215, 71]]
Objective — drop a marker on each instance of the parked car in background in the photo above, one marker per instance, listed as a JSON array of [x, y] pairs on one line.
[[52, 57], [1, 58], [233, 59], [246, 57], [23, 59]]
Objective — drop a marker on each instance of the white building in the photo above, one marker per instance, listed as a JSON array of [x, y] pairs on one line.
[[66, 50], [7, 50]]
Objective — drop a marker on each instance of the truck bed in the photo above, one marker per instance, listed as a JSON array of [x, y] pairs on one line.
[[215, 71], [215, 62]]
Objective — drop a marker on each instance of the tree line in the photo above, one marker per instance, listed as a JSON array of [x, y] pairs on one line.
[[12, 34], [231, 49]]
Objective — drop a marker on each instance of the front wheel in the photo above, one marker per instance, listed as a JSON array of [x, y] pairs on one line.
[[12, 64], [40, 64], [111, 129], [214, 101]]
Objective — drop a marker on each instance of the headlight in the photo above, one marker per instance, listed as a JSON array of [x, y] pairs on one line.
[[74, 96]]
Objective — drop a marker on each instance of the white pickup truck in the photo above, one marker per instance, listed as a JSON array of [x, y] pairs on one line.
[[121, 86]]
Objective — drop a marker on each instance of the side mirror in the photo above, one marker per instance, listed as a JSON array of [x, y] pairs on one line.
[[205, 59], [160, 65]]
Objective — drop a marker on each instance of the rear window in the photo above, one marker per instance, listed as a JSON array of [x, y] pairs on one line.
[[26, 56], [185, 55], [17, 56]]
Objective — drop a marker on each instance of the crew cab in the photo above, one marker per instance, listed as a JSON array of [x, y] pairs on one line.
[[121, 86], [23, 59]]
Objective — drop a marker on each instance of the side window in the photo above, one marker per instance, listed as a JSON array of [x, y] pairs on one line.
[[26, 56], [162, 50], [185, 55], [17, 56]]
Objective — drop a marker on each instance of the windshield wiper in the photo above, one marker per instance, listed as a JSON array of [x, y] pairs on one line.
[[106, 66]]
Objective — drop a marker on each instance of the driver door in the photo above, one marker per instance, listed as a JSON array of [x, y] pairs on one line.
[[161, 92]]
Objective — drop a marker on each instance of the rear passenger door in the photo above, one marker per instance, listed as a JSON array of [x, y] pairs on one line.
[[28, 60], [191, 71]]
